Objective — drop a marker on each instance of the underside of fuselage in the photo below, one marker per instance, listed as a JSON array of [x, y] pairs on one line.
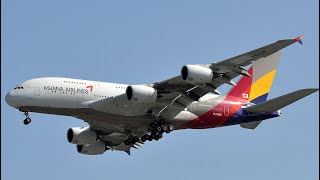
[[107, 122], [91, 116]]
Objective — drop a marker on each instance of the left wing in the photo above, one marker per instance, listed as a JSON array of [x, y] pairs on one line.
[[114, 136]]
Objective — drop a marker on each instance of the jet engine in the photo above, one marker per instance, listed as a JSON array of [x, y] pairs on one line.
[[95, 148], [141, 93], [196, 74], [81, 135]]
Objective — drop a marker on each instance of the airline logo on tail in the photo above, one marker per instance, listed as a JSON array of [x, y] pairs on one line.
[[256, 88]]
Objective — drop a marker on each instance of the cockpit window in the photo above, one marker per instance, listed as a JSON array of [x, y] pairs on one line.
[[18, 87]]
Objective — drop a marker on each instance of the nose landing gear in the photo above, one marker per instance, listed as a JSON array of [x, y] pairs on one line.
[[27, 120]]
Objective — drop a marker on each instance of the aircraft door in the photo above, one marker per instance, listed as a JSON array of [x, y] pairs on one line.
[[193, 107], [226, 111], [36, 91], [96, 85]]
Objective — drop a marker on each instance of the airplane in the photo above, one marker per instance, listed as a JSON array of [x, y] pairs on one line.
[[122, 116]]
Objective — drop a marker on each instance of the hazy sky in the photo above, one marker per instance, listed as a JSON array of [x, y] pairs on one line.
[[139, 42]]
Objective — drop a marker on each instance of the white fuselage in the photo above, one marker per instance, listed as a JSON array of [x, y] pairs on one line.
[[61, 92], [73, 97]]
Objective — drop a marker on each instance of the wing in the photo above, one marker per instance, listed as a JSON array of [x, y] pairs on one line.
[[114, 129], [177, 94]]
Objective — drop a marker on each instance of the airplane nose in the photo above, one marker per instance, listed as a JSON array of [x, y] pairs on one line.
[[9, 99]]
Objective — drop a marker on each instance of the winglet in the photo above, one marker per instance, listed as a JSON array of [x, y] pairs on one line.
[[299, 39]]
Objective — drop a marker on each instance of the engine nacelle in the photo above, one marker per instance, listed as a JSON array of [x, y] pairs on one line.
[[81, 135], [95, 148], [141, 93], [196, 74]]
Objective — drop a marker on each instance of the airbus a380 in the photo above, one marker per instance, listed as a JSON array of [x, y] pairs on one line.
[[122, 116]]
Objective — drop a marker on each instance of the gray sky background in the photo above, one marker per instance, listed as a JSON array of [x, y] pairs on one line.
[[139, 42]]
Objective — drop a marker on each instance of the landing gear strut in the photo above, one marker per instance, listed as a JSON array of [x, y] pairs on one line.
[[27, 120], [157, 128]]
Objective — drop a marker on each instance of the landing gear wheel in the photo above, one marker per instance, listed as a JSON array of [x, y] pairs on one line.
[[154, 131], [136, 139], [171, 127], [156, 138], [143, 138], [27, 121], [130, 140], [149, 138], [126, 142], [159, 135], [162, 121], [165, 128], [152, 125], [158, 128], [153, 136]]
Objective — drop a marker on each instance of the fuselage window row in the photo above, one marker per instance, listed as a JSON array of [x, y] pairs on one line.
[[74, 82]]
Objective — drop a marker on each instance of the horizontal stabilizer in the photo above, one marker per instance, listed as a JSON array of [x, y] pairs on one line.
[[250, 125], [280, 102]]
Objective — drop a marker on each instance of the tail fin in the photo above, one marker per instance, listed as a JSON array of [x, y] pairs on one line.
[[256, 88]]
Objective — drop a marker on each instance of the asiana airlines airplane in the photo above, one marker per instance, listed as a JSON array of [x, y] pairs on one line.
[[121, 116]]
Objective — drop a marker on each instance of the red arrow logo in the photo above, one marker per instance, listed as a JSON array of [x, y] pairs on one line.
[[91, 87]]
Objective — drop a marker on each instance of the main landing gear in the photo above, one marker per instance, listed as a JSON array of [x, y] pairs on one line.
[[131, 140], [157, 128], [27, 120]]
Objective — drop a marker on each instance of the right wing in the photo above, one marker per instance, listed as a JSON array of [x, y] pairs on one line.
[[249, 57], [177, 94]]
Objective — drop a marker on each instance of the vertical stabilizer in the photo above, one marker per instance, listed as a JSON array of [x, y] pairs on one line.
[[256, 88]]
